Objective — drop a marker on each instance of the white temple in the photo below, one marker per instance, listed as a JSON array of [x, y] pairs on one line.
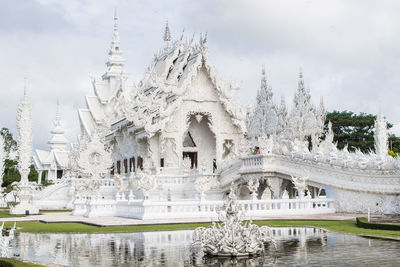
[[53, 163], [172, 145]]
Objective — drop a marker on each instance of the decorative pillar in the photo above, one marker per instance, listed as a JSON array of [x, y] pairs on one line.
[[24, 125]]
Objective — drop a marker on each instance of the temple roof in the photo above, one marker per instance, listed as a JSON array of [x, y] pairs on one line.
[[150, 104], [166, 81]]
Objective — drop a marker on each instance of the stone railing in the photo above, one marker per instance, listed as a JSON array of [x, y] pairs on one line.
[[368, 180], [208, 209]]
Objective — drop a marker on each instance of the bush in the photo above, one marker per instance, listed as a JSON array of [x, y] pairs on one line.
[[363, 222]]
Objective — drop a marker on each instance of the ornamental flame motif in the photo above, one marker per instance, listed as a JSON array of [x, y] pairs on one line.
[[232, 236]]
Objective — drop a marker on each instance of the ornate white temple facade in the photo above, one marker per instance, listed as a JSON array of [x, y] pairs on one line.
[[172, 145]]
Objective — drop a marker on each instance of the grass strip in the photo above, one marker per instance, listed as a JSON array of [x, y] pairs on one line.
[[6, 262], [335, 226], [363, 222], [5, 214]]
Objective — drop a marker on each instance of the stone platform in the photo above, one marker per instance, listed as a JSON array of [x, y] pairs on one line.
[[120, 221]]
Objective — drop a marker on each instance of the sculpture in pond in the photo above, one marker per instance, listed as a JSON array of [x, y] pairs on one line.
[[232, 236], [5, 241]]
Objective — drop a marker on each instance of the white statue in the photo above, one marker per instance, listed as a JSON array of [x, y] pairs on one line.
[[232, 237], [5, 251], [202, 184], [252, 185], [300, 184]]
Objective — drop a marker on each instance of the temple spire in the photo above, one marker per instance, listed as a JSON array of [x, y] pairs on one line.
[[167, 37], [58, 121], [167, 33], [301, 80], [115, 22], [25, 88], [115, 61], [58, 140]]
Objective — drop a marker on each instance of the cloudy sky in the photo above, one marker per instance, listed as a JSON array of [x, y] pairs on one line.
[[349, 51]]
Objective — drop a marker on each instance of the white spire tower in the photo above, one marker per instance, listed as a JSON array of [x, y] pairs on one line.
[[167, 36], [115, 61], [24, 126], [58, 142]]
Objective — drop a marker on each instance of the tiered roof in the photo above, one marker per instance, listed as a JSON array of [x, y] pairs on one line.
[[150, 104]]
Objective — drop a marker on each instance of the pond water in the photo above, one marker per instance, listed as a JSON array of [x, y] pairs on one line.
[[295, 247]]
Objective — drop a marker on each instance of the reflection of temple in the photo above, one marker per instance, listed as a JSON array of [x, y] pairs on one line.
[[138, 249], [295, 247], [178, 142]]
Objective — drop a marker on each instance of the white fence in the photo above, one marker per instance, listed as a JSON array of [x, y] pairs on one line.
[[208, 209]]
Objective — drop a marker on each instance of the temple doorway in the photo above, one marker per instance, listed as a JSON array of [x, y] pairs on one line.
[[193, 158], [199, 143]]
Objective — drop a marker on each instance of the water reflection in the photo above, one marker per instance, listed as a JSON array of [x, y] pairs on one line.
[[295, 247]]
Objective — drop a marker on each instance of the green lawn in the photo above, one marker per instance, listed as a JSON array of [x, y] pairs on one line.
[[16, 263], [4, 214], [336, 226]]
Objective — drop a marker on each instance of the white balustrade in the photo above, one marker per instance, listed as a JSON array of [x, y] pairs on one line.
[[208, 209]]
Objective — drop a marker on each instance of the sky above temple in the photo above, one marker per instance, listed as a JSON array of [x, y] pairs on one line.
[[348, 50]]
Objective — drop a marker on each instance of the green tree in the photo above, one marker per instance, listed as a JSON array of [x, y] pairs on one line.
[[10, 144], [11, 173], [357, 130]]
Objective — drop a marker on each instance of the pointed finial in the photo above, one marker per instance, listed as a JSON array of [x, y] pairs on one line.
[[183, 32], [58, 112], [300, 73], [115, 20], [25, 87], [263, 70], [167, 33]]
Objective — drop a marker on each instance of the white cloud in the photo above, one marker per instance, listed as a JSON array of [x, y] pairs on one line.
[[348, 50]]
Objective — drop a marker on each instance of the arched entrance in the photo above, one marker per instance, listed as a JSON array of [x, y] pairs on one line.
[[199, 143]]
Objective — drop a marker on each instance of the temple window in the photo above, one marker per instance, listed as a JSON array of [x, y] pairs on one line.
[[162, 162], [140, 163], [188, 141], [132, 164], [59, 174], [193, 158], [118, 167], [126, 165]]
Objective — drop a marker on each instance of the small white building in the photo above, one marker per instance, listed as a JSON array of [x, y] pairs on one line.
[[51, 165]]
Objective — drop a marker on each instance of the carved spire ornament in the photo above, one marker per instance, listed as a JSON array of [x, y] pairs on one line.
[[304, 119], [167, 33], [264, 119], [58, 141], [24, 126], [115, 61]]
